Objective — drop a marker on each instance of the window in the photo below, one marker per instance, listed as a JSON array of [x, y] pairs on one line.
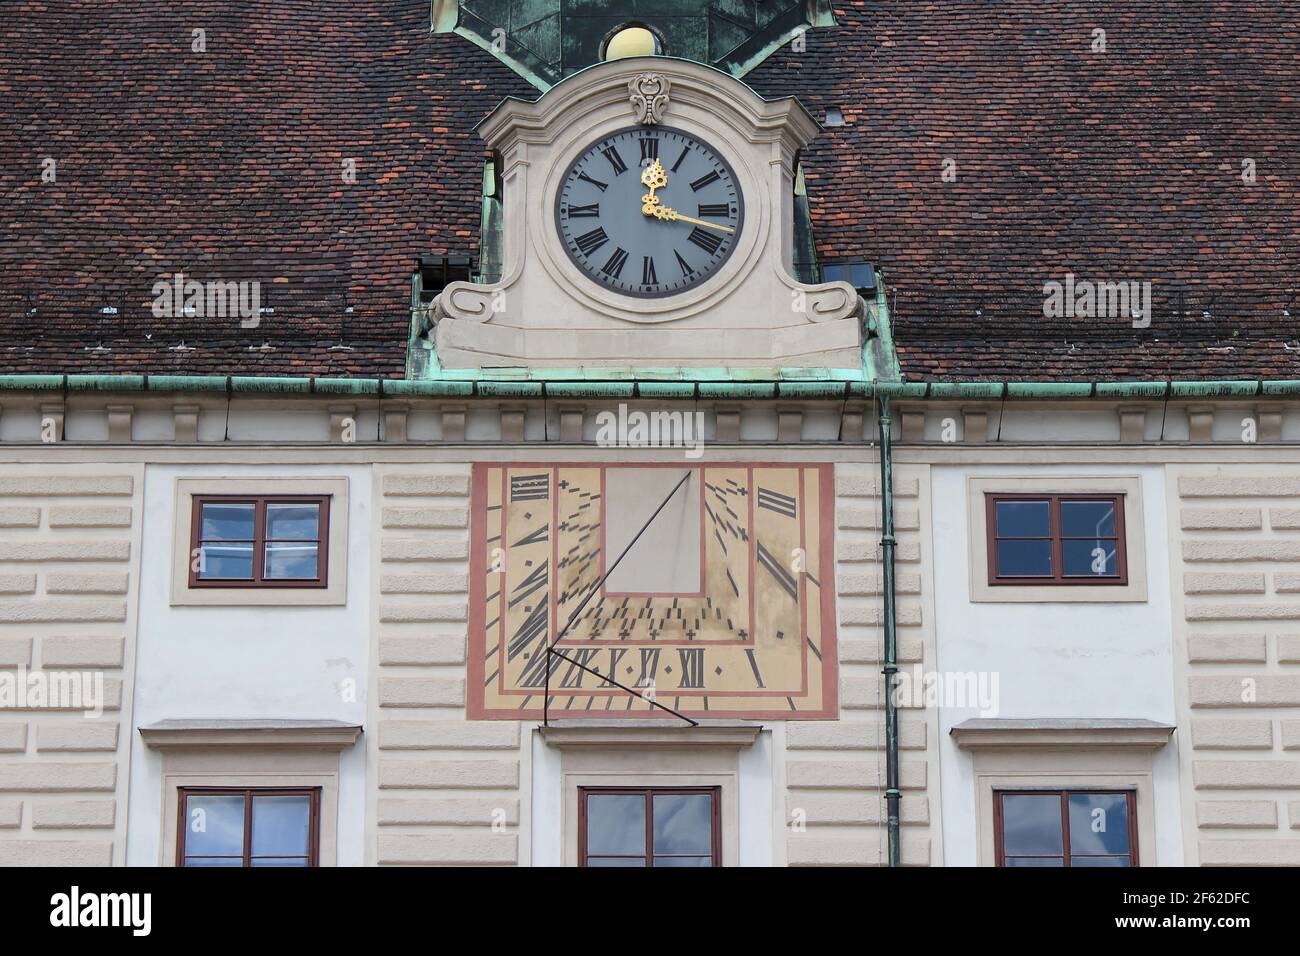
[[253, 827], [1056, 539], [649, 827], [262, 542], [1065, 828]]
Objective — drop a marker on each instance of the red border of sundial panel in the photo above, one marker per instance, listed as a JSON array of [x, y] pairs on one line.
[[475, 668]]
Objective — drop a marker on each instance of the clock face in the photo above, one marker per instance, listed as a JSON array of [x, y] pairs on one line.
[[649, 211], [722, 606]]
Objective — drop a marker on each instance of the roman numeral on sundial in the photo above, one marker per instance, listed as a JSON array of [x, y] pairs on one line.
[[530, 487], [775, 501], [692, 664], [784, 578]]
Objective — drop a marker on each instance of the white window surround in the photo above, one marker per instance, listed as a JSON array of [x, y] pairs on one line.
[[637, 755], [250, 754], [1063, 755], [336, 591], [981, 592]]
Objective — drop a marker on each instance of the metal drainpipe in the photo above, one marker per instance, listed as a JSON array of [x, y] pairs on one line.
[[887, 546]]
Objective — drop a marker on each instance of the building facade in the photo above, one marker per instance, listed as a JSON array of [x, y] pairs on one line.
[[341, 540]]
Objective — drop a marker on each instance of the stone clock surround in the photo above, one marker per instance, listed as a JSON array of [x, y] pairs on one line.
[[750, 313]]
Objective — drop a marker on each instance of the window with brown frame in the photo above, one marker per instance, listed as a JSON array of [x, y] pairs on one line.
[[1065, 828], [259, 542], [225, 826], [649, 827], [1056, 539]]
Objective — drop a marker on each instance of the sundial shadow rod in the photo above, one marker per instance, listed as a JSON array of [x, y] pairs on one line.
[[550, 648]]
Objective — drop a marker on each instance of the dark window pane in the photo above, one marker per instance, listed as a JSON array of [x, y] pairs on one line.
[[1098, 823], [213, 861], [281, 825], [292, 521], [291, 560], [683, 861], [1092, 559], [1022, 519], [1034, 861], [226, 559], [1086, 519], [227, 521], [616, 861], [1031, 824], [615, 823], [683, 823], [1025, 558], [214, 825]]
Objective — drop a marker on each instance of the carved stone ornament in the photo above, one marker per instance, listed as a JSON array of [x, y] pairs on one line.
[[649, 95]]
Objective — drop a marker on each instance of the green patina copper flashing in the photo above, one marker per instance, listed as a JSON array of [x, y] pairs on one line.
[[967, 390], [546, 41], [1042, 390], [250, 383], [31, 383], [812, 390], [188, 383], [737, 390], [1213, 389], [1131, 389], [682, 384], [403, 387], [666, 390], [590, 389], [510, 389], [345, 386], [105, 383]]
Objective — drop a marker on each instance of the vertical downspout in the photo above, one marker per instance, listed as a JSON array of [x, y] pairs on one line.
[[887, 546]]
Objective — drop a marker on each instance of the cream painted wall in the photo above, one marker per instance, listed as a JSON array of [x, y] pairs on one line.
[[1054, 660], [248, 662]]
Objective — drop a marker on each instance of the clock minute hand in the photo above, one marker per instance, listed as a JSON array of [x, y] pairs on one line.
[[660, 211]]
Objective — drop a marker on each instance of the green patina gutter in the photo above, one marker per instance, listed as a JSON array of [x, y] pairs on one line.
[[668, 383], [888, 545]]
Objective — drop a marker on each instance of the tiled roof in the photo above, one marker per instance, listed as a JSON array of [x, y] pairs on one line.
[[1124, 165]]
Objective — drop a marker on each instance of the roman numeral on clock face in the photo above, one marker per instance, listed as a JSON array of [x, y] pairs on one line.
[[648, 276], [680, 159], [591, 211], [589, 242], [614, 267], [686, 266], [705, 180], [595, 182], [715, 210], [705, 240], [615, 160], [649, 149]]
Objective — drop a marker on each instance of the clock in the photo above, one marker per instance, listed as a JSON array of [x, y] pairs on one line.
[[721, 607], [649, 211]]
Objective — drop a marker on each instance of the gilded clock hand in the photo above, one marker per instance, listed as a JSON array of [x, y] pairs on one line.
[[660, 211], [654, 177]]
